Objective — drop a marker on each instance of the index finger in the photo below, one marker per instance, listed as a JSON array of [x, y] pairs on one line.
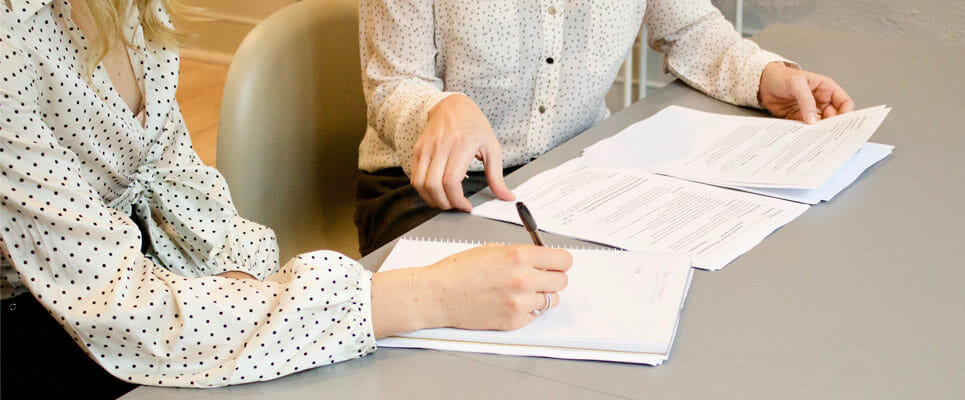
[[493, 164], [547, 258]]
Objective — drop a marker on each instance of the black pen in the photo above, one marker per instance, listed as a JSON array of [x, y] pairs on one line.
[[529, 223]]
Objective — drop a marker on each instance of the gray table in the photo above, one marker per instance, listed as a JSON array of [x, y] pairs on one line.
[[859, 298]]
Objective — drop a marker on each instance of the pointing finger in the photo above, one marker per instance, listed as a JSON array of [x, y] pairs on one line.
[[493, 163]]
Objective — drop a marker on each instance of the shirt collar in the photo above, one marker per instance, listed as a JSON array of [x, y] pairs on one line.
[[27, 8]]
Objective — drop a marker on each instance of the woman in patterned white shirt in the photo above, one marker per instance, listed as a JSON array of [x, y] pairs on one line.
[[113, 226], [487, 85]]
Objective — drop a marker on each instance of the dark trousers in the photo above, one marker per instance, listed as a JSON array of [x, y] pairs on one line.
[[39, 360], [388, 206]]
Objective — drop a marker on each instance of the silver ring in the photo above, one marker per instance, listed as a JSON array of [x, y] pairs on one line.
[[546, 306]]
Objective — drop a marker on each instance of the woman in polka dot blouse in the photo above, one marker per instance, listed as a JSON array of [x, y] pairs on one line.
[[113, 226], [482, 85]]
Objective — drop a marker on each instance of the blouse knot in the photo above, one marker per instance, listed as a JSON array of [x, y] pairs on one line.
[[140, 181], [189, 204]]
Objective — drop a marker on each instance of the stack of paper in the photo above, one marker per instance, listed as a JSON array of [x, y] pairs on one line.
[[619, 306], [613, 195], [775, 157]]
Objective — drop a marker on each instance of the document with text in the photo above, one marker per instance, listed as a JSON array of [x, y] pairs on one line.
[[868, 155], [637, 210], [736, 151]]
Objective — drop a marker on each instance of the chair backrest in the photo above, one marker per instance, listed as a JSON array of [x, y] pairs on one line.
[[292, 117]]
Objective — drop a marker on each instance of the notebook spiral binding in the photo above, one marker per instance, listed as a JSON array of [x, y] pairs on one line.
[[478, 243]]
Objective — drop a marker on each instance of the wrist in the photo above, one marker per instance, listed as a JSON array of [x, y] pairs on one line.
[[770, 68], [429, 284], [404, 300], [451, 100]]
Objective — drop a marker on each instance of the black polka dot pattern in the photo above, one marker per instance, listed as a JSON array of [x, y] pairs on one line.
[[79, 172], [538, 69]]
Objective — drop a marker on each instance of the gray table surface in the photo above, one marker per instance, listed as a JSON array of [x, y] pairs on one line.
[[859, 298]]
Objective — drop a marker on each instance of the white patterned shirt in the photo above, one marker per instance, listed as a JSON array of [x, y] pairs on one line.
[[79, 172], [538, 69]]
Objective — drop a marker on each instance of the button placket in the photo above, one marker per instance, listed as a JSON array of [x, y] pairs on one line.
[[546, 87]]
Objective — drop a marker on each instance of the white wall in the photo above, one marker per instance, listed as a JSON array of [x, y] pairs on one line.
[[920, 20]]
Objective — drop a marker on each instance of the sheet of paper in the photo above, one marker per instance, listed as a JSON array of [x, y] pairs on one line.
[[637, 210], [534, 351], [732, 150], [618, 306], [868, 155]]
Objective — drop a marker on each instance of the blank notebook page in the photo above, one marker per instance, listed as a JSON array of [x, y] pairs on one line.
[[615, 300]]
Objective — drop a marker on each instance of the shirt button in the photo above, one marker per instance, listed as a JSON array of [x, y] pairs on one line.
[[551, 10], [541, 109], [549, 60]]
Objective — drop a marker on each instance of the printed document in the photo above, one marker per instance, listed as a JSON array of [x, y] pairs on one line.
[[751, 152], [637, 210], [868, 155]]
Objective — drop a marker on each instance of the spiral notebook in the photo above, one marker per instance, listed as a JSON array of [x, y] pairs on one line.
[[619, 306]]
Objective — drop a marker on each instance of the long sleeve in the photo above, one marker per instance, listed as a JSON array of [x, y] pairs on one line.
[[144, 324], [705, 51], [399, 80]]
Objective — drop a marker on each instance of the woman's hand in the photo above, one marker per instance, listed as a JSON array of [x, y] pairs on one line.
[[488, 287], [805, 96], [456, 132]]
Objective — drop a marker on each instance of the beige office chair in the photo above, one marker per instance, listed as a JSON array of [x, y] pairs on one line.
[[292, 117]]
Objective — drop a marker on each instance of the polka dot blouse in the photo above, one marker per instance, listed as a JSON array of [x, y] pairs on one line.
[[538, 69], [117, 228]]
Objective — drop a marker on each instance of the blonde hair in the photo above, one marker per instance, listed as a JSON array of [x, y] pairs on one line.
[[110, 15]]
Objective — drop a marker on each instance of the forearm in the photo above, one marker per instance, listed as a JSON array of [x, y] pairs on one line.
[[703, 49], [399, 77]]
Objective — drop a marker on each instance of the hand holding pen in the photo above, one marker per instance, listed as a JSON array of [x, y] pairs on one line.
[[530, 224]]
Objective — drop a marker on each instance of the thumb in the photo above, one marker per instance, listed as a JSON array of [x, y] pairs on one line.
[[493, 163], [805, 99]]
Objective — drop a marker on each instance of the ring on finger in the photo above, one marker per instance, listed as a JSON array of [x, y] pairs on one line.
[[546, 306]]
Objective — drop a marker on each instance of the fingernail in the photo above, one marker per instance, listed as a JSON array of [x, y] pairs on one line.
[[811, 118]]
